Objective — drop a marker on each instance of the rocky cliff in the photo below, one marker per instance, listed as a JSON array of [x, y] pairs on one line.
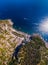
[[33, 52], [9, 40]]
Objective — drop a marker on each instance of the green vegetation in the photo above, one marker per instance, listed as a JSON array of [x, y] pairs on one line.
[[7, 42], [29, 54], [32, 53]]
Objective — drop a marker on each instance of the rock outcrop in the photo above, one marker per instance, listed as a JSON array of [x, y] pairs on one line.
[[32, 53], [9, 40]]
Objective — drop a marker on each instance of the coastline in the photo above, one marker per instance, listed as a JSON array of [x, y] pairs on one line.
[[25, 34], [11, 40], [21, 32]]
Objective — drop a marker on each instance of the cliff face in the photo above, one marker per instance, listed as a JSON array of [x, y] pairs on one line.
[[32, 53], [9, 39]]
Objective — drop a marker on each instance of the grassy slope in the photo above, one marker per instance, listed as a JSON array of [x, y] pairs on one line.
[[7, 48], [7, 42], [33, 53], [43, 51]]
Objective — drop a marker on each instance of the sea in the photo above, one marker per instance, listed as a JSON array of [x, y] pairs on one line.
[[29, 16]]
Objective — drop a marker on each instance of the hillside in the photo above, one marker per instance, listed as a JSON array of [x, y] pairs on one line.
[[9, 39], [33, 52]]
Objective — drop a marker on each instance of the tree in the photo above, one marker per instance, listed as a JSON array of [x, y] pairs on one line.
[[29, 54]]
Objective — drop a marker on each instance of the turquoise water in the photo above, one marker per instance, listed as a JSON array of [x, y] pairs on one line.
[[27, 15]]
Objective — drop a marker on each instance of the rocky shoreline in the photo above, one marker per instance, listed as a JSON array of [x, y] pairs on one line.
[[10, 39]]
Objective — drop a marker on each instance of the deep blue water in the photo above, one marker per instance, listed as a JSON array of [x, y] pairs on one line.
[[27, 15]]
